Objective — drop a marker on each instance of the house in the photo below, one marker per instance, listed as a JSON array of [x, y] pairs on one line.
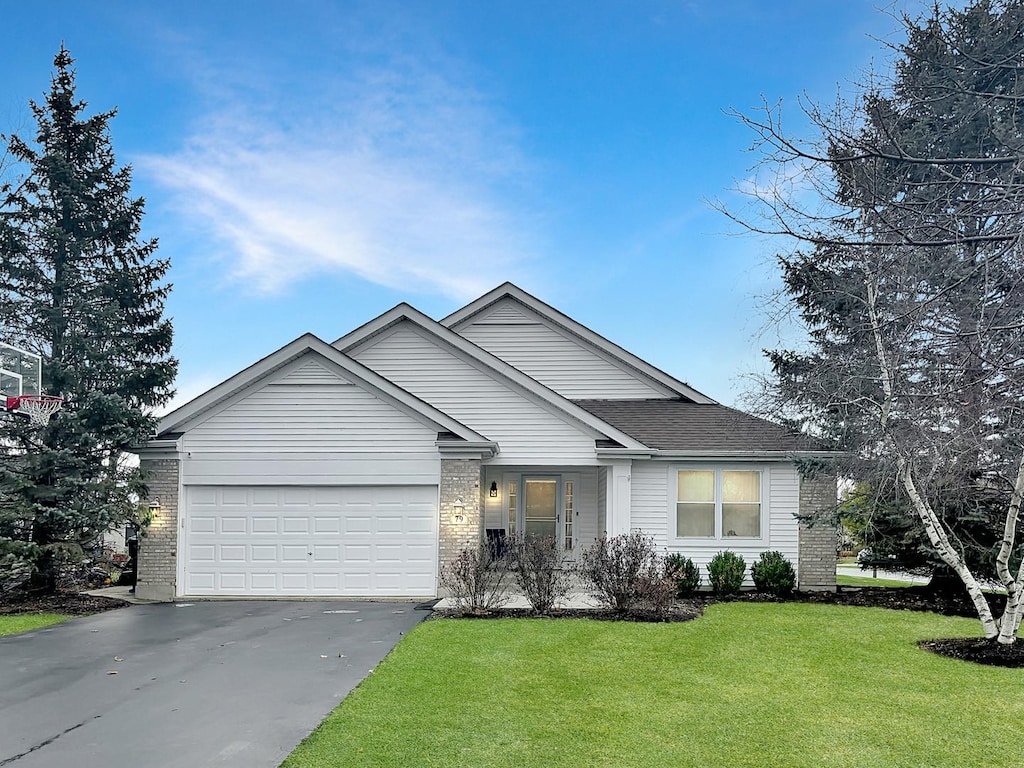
[[357, 468]]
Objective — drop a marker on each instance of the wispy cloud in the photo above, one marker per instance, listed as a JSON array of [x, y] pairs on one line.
[[396, 175]]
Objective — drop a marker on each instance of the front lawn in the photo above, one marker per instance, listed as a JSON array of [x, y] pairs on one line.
[[23, 622], [748, 684]]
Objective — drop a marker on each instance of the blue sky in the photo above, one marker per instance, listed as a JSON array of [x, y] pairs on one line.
[[308, 165]]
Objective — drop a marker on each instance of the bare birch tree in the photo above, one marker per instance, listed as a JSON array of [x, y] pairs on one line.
[[905, 214]]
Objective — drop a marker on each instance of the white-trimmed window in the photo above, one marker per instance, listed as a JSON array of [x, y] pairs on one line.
[[719, 503]]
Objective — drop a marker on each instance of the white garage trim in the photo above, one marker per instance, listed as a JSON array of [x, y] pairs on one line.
[[353, 541]]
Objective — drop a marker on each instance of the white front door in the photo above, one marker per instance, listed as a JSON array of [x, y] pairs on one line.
[[544, 505], [541, 506]]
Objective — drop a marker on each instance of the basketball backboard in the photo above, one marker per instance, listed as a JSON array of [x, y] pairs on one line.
[[21, 372]]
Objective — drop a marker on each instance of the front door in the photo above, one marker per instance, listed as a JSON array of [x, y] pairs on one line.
[[540, 507]]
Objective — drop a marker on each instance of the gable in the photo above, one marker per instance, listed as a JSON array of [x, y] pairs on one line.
[[565, 355], [557, 359], [526, 429], [306, 407]]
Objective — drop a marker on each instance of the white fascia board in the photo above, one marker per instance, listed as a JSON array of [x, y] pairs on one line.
[[450, 449], [575, 328], [188, 415], [551, 399], [158, 449]]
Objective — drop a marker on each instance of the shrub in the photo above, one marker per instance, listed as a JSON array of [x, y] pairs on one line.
[[683, 573], [536, 563], [476, 580], [621, 569], [725, 572], [658, 592], [773, 573]]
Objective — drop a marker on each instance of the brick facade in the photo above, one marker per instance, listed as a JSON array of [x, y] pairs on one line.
[[460, 481], [158, 547], [817, 567]]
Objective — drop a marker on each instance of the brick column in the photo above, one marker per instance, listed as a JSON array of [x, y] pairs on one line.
[[460, 481], [816, 569], [158, 544]]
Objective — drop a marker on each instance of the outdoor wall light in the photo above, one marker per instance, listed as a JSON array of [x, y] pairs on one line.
[[494, 489], [458, 511], [154, 505]]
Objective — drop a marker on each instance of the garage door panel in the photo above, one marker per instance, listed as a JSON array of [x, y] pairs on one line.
[[355, 541], [204, 524], [266, 497], [327, 553], [294, 553], [201, 582], [203, 553], [358, 525], [264, 553], [390, 523], [266, 583], [297, 497], [356, 554], [295, 525], [326, 524], [231, 553], [265, 525], [327, 583], [234, 497], [233, 525]]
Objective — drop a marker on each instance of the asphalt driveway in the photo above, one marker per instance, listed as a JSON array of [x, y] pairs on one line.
[[217, 683]]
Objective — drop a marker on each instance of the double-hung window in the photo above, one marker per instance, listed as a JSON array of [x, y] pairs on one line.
[[718, 503]]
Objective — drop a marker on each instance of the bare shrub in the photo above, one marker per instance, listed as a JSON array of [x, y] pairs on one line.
[[622, 569], [477, 580], [536, 563]]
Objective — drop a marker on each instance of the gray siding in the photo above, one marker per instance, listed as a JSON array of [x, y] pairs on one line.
[[651, 513], [527, 432], [309, 426], [312, 410], [563, 362]]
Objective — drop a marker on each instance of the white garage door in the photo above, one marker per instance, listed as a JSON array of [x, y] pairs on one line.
[[355, 541]]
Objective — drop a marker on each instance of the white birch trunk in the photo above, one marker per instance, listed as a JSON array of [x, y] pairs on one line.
[[1009, 622], [932, 524]]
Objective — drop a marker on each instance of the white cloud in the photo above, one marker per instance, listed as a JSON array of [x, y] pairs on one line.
[[396, 176]]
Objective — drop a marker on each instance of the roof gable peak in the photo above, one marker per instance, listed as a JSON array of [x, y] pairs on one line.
[[566, 324]]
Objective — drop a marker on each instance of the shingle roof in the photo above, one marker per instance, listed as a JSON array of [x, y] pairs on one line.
[[676, 425]]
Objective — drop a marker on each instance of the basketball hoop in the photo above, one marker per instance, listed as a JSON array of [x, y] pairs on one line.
[[38, 408]]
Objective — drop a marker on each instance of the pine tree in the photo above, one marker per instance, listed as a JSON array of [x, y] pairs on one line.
[[909, 279], [80, 286]]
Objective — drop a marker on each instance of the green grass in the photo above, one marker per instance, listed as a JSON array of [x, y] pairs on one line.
[[866, 581], [746, 685], [12, 625]]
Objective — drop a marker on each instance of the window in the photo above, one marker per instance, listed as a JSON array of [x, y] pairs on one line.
[[569, 504], [513, 509], [718, 503]]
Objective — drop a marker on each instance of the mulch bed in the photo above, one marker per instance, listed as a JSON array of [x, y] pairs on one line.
[[977, 650], [68, 603]]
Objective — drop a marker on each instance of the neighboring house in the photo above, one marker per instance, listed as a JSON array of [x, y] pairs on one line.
[[358, 468]]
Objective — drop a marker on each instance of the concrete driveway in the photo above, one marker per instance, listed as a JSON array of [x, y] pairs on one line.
[[217, 683]]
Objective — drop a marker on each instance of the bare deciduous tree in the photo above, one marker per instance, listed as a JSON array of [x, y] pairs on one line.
[[905, 216]]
